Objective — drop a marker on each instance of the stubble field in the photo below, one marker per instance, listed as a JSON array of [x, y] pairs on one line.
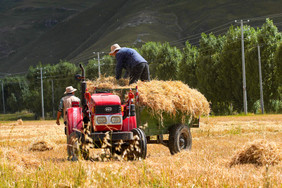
[[206, 165]]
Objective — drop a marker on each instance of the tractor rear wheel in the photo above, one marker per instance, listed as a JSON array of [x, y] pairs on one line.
[[138, 147], [73, 146], [76, 148], [179, 138]]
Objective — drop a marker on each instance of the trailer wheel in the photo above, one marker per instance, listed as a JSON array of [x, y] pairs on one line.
[[138, 148], [179, 138]]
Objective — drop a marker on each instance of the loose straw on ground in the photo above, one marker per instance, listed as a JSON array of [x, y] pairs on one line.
[[42, 145]]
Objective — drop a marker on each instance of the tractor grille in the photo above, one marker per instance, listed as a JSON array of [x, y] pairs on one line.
[[109, 109]]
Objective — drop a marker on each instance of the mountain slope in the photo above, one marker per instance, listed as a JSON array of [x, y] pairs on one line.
[[33, 31]]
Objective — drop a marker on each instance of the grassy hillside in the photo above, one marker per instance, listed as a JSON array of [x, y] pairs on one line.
[[33, 31], [22, 23]]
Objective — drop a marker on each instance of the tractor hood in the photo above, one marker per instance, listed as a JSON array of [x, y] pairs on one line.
[[102, 99]]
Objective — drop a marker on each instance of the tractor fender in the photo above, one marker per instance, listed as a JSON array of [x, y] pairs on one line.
[[74, 119]]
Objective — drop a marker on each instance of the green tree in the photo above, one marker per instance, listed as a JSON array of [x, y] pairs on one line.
[[14, 89], [163, 60], [230, 69], [269, 38], [188, 65], [61, 74], [168, 60], [150, 51], [12, 103], [278, 70], [252, 69], [207, 68]]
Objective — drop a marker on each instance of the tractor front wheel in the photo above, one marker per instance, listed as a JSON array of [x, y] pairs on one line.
[[138, 147], [179, 138]]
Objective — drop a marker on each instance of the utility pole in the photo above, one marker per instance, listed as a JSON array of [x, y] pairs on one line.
[[3, 97], [99, 65], [42, 98], [99, 68], [53, 98], [260, 82], [243, 66]]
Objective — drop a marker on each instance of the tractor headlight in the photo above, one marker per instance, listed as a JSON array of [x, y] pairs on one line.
[[116, 119], [101, 120]]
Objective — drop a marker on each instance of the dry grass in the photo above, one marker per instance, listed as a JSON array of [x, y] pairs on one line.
[[215, 144]]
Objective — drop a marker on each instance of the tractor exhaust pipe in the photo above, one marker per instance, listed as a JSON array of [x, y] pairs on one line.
[[83, 86], [86, 117]]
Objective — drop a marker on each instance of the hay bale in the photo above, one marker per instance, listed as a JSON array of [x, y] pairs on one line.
[[42, 145], [161, 96], [258, 152], [20, 122]]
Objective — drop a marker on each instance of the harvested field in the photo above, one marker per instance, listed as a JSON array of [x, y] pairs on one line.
[[215, 144]]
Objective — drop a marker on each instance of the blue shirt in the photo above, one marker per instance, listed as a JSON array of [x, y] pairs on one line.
[[127, 58]]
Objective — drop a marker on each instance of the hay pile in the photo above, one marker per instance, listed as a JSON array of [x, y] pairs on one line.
[[20, 122], [161, 96], [172, 97], [259, 152], [42, 145]]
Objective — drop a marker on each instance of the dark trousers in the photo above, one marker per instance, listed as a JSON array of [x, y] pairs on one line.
[[140, 72]]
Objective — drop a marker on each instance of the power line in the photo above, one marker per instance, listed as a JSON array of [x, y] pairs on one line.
[[82, 58], [5, 74], [264, 17], [202, 32], [193, 37], [208, 48]]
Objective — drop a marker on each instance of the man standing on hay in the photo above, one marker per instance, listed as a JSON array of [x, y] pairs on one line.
[[70, 100], [136, 66]]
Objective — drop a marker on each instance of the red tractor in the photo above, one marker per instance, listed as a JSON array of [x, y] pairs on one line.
[[122, 122]]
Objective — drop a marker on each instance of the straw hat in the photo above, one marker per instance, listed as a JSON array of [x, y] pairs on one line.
[[70, 89], [114, 48]]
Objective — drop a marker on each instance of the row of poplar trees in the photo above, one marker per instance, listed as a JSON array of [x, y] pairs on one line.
[[214, 67]]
